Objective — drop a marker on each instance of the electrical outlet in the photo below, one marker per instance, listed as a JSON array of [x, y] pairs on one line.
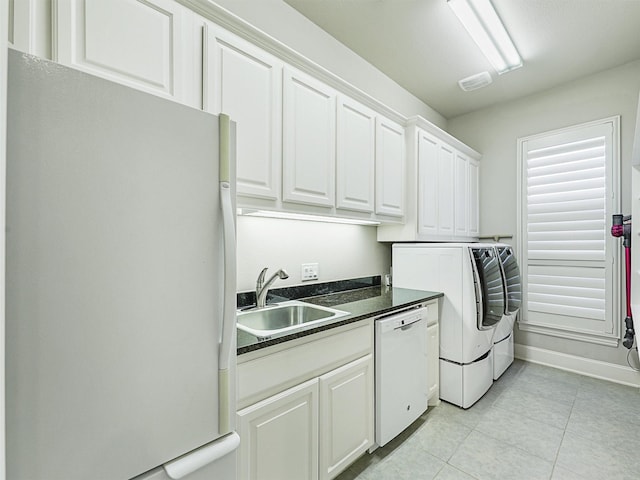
[[309, 272]]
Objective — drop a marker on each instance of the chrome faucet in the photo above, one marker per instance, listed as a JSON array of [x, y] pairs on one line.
[[262, 287]]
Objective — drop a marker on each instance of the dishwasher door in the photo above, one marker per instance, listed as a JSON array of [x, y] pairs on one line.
[[401, 372]]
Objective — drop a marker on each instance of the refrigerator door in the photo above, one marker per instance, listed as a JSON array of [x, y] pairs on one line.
[[114, 276]]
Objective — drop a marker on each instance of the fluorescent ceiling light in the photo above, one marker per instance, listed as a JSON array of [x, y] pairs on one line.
[[302, 216], [483, 24]]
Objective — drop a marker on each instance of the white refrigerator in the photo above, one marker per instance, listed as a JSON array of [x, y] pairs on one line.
[[120, 282]]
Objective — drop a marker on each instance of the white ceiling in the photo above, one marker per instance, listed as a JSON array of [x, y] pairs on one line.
[[422, 46]]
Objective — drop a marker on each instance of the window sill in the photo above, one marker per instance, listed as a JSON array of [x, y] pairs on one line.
[[607, 340]]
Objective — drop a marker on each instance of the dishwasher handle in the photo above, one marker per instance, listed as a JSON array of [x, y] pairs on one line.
[[407, 324], [401, 321]]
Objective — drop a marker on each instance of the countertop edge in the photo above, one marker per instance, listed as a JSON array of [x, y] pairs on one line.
[[338, 323]]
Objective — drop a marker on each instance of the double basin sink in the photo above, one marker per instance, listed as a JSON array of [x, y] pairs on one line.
[[285, 318]]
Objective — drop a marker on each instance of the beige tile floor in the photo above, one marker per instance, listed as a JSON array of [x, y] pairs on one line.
[[534, 423]]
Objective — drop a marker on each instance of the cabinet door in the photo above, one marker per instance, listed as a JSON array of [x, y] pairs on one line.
[[390, 160], [355, 162], [461, 192], [309, 140], [474, 201], [245, 82], [428, 148], [433, 365], [446, 198], [346, 415], [279, 436], [143, 44]]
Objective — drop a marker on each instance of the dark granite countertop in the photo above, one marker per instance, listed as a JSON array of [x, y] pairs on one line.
[[361, 304]]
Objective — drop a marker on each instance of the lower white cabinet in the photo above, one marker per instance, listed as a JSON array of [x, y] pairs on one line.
[[313, 430], [346, 415], [307, 406], [279, 436]]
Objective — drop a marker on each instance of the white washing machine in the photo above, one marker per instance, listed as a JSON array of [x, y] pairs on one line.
[[503, 338], [469, 275]]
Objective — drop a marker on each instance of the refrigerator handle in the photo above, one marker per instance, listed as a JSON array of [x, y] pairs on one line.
[[195, 460], [229, 304]]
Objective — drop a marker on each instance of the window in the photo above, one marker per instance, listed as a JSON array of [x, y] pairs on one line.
[[568, 192]]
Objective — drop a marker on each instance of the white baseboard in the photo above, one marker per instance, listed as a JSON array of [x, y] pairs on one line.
[[584, 366]]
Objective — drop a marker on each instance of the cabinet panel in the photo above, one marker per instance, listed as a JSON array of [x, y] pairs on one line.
[[309, 140], [143, 44], [355, 162], [280, 436], [446, 197], [390, 168], [474, 192], [433, 366], [246, 83], [346, 415], [461, 189], [428, 148], [29, 26], [266, 375]]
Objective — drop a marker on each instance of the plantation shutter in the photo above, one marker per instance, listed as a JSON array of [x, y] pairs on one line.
[[568, 186]]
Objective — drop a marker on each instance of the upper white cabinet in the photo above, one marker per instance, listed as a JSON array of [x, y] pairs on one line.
[[355, 156], [462, 193], [245, 82], [390, 168], [152, 45], [29, 26], [309, 133], [466, 196], [446, 189], [307, 141], [428, 149], [474, 192], [442, 188], [436, 171]]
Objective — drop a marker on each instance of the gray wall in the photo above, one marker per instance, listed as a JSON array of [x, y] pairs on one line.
[[494, 132]]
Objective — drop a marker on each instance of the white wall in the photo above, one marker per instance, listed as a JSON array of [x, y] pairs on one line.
[[284, 23], [494, 132], [342, 251]]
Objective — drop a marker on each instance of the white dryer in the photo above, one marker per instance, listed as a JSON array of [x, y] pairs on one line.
[[503, 338], [469, 275]]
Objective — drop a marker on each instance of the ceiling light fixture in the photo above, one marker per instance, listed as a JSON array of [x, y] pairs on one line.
[[483, 24]]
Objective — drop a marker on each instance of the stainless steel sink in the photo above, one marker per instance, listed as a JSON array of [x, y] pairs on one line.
[[285, 318]]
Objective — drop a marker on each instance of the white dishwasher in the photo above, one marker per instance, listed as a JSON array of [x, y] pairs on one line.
[[400, 371]]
